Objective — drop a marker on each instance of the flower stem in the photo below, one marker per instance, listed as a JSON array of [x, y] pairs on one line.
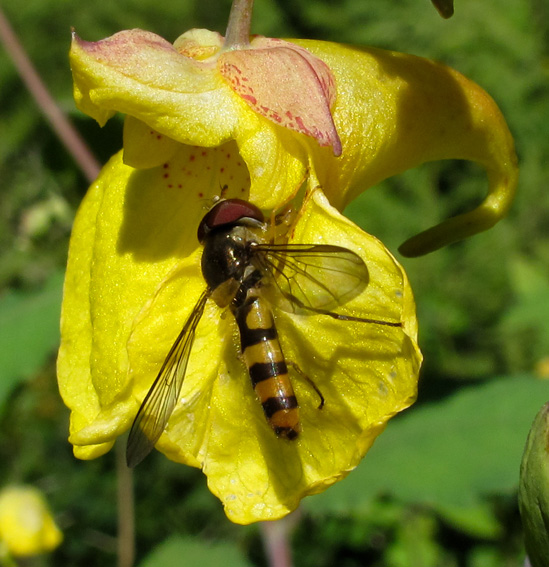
[[276, 540], [64, 130], [240, 21], [126, 512]]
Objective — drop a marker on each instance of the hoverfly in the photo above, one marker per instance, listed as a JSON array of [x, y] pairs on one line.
[[249, 276]]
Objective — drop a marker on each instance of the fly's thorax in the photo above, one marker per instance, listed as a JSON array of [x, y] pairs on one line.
[[226, 260]]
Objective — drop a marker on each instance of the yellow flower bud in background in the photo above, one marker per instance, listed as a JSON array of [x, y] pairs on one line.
[[26, 524]]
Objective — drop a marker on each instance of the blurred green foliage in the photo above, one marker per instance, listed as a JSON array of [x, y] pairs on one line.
[[439, 486]]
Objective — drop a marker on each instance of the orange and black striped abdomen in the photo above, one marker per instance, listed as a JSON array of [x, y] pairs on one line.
[[267, 367]]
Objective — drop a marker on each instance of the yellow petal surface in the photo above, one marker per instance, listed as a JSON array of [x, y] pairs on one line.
[[395, 111], [144, 147], [366, 372], [169, 94], [133, 278], [141, 74], [133, 228], [26, 525], [392, 112]]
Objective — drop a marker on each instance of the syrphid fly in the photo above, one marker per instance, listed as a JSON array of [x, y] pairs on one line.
[[250, 275]]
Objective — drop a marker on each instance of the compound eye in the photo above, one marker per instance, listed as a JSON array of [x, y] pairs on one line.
[[228, 212]]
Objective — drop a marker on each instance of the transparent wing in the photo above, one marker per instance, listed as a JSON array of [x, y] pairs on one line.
[[160, 401], [301, 278]]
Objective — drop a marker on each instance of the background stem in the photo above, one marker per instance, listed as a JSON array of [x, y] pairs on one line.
[[63, 128], [276, 540], [126, 510]]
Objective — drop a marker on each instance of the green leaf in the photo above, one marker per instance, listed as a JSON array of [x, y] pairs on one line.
[[531, 308], [450, 455], [477, 521], [527, 277], [29, 332], [415, 544], [178, 550]]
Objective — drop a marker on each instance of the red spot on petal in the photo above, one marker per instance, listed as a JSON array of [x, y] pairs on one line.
[[201, 195], [278, 80], [166, 175], [165, 166], [301, 125], [249, 98], [191, 157]]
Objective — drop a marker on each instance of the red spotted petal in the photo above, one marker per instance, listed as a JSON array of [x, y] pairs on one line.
[[287, 85]]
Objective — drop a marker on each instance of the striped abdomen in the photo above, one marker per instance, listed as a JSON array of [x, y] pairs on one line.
[[267, 367]]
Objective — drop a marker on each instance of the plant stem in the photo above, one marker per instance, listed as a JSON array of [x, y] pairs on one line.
[[240, 21], [126, 511], [276, 540], [65, 131]]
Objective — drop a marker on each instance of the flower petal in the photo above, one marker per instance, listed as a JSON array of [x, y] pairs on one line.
[[132, 230], [145, 147], [410, 111], [366, 379], [141, 74], [134, 276], [287, 85], [183, 100]]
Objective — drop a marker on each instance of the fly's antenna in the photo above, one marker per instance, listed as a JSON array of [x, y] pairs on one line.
[[209, 202], [222, 192]]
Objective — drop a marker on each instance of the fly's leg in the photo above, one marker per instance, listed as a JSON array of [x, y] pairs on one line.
[[281, 222], [305, 377]]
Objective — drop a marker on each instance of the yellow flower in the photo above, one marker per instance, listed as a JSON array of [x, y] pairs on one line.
[[26, 525], [353, 116], [132, 280], [306, 123]]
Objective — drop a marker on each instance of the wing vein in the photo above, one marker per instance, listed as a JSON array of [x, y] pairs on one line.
[[161, 399]]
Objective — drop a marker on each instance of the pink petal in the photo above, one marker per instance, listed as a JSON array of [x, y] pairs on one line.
[[285, 84], [148, 59]]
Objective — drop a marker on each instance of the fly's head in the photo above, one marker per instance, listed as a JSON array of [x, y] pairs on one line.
[[228, 232], [227, 214]]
